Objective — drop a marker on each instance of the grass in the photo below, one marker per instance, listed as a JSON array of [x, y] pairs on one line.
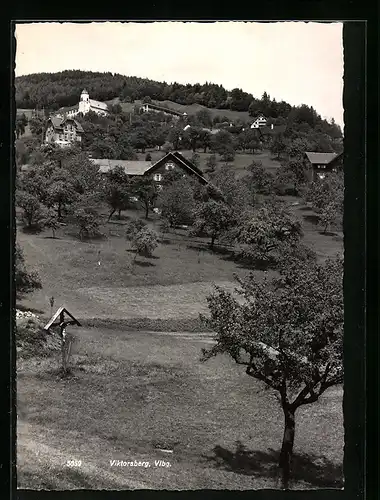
[[241, 161], [137, 384], [134, 393], [190, 109]]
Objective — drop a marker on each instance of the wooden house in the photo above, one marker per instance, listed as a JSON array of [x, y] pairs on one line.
[[318, 164]]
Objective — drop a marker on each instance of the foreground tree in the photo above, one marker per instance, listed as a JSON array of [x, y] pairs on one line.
[[288, 332], [25, 281], [87, 221]]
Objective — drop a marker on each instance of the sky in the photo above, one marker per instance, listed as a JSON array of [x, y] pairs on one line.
[[298, 62]]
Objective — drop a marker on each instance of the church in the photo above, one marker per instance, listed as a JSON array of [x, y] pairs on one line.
[[85, 105]]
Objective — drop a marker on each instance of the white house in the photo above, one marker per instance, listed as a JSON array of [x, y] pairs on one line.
[[260, 121]]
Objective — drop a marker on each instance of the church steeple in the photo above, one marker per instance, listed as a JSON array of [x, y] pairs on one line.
[[84, 95]]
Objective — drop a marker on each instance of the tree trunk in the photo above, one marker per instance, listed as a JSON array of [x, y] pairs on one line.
[[119, 213], [111, 214], [287, 446], [146, 211], [59, 210], [53, 231], [212, 242]]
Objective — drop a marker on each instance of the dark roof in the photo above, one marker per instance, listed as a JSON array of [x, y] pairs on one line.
[[58, 122], [189, 163], [163, 109], [130, 167], [320, 158], [181, 161]]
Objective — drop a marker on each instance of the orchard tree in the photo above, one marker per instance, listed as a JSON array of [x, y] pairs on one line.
[[87, 221], [50, 220], [133, 227], [26, 281], [278, 146], [117, 191], [177, 202], [258, 179], [33, 210], [288, 333], [144, 242], [145, 189], [174, 137], [213, 218], [211, 164], [267, 232], [21, 123]]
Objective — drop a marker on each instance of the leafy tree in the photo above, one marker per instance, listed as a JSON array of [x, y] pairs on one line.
[[211, 164], [213, 218], [196, 159], [33, 213], [248, 140], [204, 138], [25, 281], [50, 220], [61, 193], [177, 202], [133, 227], [288, 333], [37, 126], [258, 179], [232, 191], [292, 172], [204, 117], [327, 198], [117, 191], [145, 189], [167, 147], [144, 242], [87, 221], [174, 137], [21, 123], [278, 146], [267, 232]]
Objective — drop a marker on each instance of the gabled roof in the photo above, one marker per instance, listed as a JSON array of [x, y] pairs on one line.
[[58, 123], [320, 158], [130, 167], [99, 105], [181, 161]]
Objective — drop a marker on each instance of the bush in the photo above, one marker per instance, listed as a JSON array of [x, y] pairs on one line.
[[145, 242], [25, 281], [148, 157]]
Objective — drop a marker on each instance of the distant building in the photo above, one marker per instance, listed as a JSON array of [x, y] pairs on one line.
[[62, 131], [321, 163], [158, 169], [260, 121], [84, 106], [150, 107]]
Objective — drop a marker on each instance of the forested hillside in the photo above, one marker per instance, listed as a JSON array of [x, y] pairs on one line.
[[55, 90]]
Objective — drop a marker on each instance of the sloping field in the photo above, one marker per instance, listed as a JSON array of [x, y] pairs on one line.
[[134, 394]]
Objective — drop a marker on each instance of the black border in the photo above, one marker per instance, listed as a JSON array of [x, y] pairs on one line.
[[356, 139]]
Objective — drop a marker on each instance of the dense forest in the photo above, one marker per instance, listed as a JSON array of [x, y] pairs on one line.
[[55, 90]]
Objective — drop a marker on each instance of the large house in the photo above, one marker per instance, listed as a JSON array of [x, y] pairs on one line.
[[62, 131], [85, 106], [150, 107], [321, 163], [170, 161]]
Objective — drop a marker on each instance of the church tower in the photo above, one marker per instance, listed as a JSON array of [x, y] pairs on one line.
[[84, 103]]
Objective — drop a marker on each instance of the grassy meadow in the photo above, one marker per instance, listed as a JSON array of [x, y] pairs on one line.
[[137, 385]]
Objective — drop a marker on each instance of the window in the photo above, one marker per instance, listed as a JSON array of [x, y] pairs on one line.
[[157, 177]]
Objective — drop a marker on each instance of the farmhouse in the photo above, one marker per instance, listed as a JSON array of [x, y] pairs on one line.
[[150, 107], [62, 131], [169, 162], [260, 121], [321, 163]]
